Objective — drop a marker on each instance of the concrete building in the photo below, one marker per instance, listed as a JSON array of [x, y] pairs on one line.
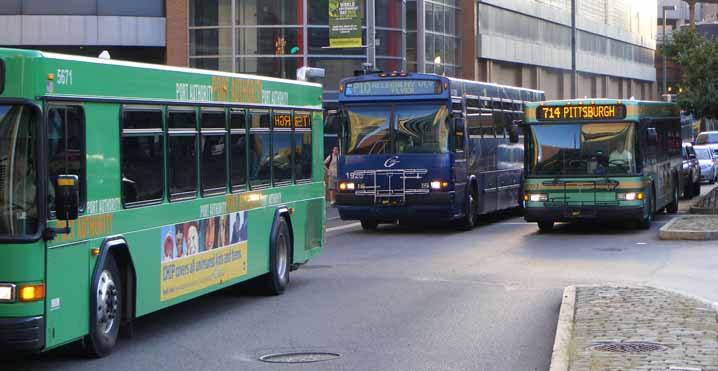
[[128, 29]]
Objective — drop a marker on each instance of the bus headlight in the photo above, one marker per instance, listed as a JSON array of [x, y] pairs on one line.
[[630, 196], [538, 197], [7, 292], [346, 186], [438, 184]]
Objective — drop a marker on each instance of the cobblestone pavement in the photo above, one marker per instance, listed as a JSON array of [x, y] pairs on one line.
[[686, 328]]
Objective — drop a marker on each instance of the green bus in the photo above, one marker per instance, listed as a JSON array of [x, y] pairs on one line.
[[126, 188], [600, 159]]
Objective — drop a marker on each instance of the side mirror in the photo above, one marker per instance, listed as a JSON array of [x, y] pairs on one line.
[[67, 197], [652, 137]]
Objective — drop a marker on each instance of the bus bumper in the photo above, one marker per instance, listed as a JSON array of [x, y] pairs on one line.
[[432, 206], [22, 334], [541, 214]]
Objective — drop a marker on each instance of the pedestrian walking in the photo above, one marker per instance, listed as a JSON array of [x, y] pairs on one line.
[[330, 167]]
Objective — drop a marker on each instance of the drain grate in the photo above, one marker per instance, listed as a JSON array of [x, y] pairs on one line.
[[299, 357], [628, 347]]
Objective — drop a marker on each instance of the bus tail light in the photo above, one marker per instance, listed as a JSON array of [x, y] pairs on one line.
[[630, 196], [32, 292]]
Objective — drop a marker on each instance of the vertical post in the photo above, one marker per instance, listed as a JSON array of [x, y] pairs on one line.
[[305, 36], [573, 50], [664, 54], [233, 19], [420, 36], [371, 33]]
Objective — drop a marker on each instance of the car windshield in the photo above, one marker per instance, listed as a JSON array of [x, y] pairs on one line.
[[18, 171], [707, 138], [703, 153], [583, 149], [415, 129]]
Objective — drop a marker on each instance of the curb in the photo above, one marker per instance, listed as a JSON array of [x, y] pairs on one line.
[[666, 233], [560, 357]]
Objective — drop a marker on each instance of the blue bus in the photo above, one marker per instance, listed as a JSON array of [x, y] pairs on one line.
[[427, 147]]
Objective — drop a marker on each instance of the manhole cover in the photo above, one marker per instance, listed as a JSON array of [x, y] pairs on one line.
[[628, 347], [299, 357]]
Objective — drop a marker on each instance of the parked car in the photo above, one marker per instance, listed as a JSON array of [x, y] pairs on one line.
[[690, 181], [708, 162], [710, 139]]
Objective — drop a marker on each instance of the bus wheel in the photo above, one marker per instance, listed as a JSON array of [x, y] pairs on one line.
[[545, 227], [672, 208], [106, 310], [369, 224], [469, 220], [274, 282], [645, 222]]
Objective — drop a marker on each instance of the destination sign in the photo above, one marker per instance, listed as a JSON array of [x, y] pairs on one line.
[[284, 120], [585, 112], [392, 87]]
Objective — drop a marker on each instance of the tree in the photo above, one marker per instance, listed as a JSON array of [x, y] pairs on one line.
[[698, 59]]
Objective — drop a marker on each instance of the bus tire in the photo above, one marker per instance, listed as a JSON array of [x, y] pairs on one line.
[[645, 222], [274, 282], [106, 310], [672, 208], [369, 224], [470, 219], [545, 227]]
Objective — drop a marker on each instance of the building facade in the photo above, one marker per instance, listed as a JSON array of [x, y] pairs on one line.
[[128, 29]]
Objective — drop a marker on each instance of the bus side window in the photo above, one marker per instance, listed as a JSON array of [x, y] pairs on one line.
[[459, 134], [142, 156], [65, 149]]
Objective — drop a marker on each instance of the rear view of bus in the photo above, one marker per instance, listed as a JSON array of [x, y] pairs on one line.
[[590, 160]]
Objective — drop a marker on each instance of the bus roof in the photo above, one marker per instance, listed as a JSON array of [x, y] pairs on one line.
[[83, 77], [634, 109]]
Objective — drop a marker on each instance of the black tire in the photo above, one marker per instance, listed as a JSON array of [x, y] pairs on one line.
[[645, 222], [672, 208], [105, 310], [696, 188], [545, 227], [369, 224], [280, 249], [470, 219]]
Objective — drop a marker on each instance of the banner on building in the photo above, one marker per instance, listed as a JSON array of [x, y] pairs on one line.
[[345, 20]]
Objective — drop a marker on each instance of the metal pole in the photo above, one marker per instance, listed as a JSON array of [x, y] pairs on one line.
[[371, 33], [573, 50], [420, 36], [664, 54]]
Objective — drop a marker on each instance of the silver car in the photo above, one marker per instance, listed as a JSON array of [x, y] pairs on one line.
[[708, 139], [708, 162]]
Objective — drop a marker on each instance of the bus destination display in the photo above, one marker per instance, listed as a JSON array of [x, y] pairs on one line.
[[284, 120], [392, 87], [585, 112]]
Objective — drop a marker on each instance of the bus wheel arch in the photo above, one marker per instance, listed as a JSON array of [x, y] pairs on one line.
[[112, 297]]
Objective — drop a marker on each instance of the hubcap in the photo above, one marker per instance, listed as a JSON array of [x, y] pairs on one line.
[[282, 249], [106, 302]]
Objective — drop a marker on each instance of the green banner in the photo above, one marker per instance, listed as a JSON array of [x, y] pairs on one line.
[[345, 19]]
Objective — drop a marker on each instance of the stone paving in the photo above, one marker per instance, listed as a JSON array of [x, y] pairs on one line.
[[686, 327]]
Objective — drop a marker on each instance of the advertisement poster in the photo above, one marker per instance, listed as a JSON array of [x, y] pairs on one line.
[[345, 19], [201, 253]]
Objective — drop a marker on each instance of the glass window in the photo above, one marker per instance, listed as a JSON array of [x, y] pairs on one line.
[[707, 138], [238, 120], [259, 159], [368, 130], [213, 41], [213, 164], [18, 170], [238, 160], [588, 149], [302, 155], [282, 157], [422, 129], [272, 12], [65, 148], [141, 161], [216, 64], [259, 119], [271, 41], [213, 120], [210, 12], [181, 119], [182, 165], [388, 13], [142, 157], [281, 67]]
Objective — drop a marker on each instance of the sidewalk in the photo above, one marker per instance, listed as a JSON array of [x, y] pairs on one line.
[[611, 328], [701, 224]]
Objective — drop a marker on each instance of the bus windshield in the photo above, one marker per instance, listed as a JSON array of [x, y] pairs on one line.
[[18, 171], [583, 149], [416, 129]]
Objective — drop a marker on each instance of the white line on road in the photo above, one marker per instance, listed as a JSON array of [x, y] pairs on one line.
[[341, 227]]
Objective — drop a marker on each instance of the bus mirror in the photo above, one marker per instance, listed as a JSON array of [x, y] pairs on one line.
[[67, 197], [652, 137]]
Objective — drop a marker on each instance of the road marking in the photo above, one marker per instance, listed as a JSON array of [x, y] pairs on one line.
[[334, 218], [341, 227], [641, 243]]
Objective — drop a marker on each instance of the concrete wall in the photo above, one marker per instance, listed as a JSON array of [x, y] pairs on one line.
[[177, 35]]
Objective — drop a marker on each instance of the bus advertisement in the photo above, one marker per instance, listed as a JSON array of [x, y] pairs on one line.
[[126, 188], [601, 159], [426, 147]]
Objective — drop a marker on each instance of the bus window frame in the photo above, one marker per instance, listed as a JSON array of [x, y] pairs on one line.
[[238, 188], [212, 132], [170, 132], [303, 131], [290, 130]]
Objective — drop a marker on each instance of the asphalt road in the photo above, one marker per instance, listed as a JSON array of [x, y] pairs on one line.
[[409, 298]]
